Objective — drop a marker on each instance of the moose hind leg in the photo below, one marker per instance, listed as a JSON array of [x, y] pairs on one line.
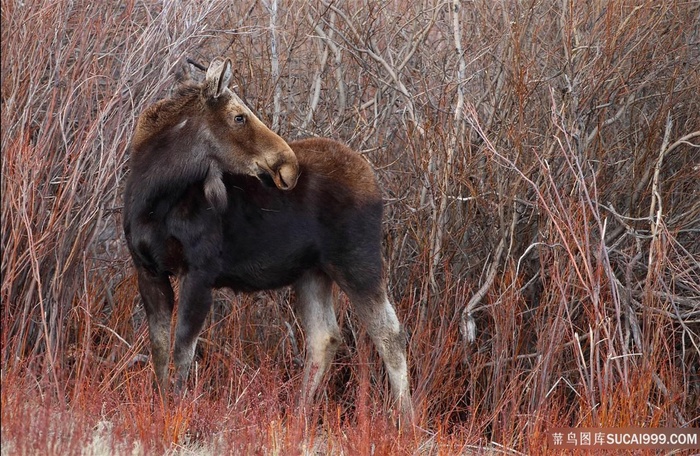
[[158, 300], [315, 311], [193, 308], [379, 317]]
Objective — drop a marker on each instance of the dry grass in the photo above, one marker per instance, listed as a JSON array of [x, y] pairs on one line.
[[541, 170]]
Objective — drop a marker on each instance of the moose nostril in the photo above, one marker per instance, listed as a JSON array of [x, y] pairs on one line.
[[288, 174]]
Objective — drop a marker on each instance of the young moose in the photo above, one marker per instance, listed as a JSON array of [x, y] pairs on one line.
[[219, 200]]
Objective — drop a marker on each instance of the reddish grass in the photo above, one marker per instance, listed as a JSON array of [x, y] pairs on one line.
[[542, 200]]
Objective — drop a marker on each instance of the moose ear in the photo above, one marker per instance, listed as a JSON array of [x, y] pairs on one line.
[[218, 77]]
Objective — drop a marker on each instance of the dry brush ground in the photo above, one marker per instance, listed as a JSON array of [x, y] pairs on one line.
[[541, 170]]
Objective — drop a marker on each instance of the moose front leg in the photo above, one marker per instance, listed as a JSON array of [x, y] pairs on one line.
[[158, 300], [194, 305]]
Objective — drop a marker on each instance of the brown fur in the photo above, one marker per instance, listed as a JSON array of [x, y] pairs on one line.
[[165, 114], [340, 163]]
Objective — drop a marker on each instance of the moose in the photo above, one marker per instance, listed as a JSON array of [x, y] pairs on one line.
[[216, 199]]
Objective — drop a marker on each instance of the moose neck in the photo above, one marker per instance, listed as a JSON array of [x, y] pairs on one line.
[[163, 172]]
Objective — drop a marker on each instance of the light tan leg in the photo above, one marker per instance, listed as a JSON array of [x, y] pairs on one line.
[[384, 329], [317, 315]]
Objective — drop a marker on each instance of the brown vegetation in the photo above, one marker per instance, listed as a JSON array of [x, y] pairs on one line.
[[541, 171]]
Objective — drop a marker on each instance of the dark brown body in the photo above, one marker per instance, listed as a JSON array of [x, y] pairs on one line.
[[267, 238]]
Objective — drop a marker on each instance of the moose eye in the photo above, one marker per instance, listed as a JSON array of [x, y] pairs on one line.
[[239, 119]]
